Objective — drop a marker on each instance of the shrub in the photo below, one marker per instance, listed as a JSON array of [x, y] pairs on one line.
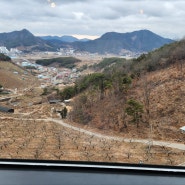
[[135, 110], [4, 57], [68, 93]]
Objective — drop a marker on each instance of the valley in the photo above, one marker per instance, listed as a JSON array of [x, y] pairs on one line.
[[35, 131], [123, 110]]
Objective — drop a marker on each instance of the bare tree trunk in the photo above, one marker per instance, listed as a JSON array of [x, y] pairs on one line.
[[147, 88]]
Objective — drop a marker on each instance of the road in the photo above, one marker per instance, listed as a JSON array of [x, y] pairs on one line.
[[179, 146]]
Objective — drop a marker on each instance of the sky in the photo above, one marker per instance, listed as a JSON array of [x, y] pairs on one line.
[[93, 18]]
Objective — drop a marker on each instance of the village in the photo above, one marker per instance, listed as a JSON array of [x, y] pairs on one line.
[[51, 75], [48, 75]]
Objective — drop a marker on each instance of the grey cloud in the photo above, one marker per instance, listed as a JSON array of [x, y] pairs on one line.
[[70, 1], [93, 17]]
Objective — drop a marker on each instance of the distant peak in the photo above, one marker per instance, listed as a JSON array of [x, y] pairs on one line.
[[25, 31], [140, 31], [110, 34]]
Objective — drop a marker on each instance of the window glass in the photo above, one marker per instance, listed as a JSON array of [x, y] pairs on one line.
[[98, 80]]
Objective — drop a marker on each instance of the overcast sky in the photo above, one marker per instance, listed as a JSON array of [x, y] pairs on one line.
[[93, 17]]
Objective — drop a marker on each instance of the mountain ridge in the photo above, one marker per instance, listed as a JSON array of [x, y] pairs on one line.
[[111, 42], [64, 38], [23, 40]]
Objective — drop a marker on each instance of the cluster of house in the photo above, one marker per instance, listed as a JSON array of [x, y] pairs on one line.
[[51, 75], [65, 76], [67, 51], [12, 52]]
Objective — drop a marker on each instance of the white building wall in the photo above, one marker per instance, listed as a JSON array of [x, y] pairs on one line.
[[3, 50]]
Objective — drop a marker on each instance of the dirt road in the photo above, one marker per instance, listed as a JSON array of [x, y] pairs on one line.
[[179, 146]]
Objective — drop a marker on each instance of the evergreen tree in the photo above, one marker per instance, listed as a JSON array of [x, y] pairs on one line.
[[135, 110]]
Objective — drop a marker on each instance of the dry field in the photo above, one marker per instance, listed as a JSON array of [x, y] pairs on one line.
[[30, 133], [28, 136]]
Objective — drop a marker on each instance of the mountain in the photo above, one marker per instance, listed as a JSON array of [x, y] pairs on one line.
[[65, 38], [23, 40], [84, 40], [116, 43], [111, 42]]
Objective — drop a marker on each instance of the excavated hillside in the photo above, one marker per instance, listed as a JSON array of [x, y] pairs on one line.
[[12, 76]]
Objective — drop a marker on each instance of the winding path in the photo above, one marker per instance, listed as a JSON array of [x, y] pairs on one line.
[[179, 146]]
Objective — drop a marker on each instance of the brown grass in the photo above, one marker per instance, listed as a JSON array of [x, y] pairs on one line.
[[23, 136], [167, 107], [10, 80], [32, 139]]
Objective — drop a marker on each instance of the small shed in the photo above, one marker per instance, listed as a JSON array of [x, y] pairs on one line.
[[54, 101], [182, 129], [6, 109], [67, 101]]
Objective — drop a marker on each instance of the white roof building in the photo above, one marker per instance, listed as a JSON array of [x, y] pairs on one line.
[[3, 50], [182, 129]]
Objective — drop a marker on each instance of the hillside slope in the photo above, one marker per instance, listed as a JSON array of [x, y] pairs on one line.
[[117, 43], [12, 76], [23, 40], [154, 82]]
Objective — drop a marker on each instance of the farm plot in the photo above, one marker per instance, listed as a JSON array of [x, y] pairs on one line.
[[45, 140]]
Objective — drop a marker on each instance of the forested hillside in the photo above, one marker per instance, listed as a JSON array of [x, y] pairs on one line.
[[142, 97], [68, 62], [4, 57]]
